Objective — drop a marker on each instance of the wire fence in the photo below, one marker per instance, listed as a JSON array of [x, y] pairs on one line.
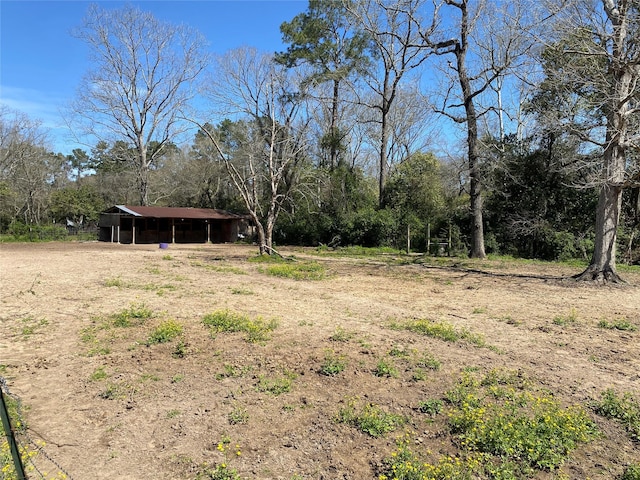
[[37, 463]]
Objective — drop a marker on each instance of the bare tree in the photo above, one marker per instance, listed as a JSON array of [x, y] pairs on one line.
[[598, 70], [17, 131], [396, 45], [486, 45], [142, 78], [28, 171], [264, 147]]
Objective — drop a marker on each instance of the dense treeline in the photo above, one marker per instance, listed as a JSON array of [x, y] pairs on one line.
[[534, 208], [343, 138]]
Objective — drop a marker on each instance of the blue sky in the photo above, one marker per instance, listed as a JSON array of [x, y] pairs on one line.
[[41, 64]]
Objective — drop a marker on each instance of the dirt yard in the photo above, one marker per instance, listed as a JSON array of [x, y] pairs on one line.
[[110, 404]]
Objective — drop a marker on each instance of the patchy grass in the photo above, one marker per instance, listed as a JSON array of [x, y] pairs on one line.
[[502, 429], [568, 319], [222, 268], [385, 368], [618, 324], [297, 271], [441, 330], [99, 374], [357, 251], [341, 335], [165, 332], [333, 364], [276, 386], [135, 315], [241, 291], [624, 408], [101, 334], [370, 418], [115, 282], [257, 330], [277, 266], [32, 325]]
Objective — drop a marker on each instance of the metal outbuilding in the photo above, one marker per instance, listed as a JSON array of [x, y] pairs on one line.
[[130, 224]]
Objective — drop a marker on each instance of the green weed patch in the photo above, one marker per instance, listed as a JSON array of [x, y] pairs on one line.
[[257, 330], [370, 419], [619, 324], [441, 330], [625, 408], [165, 332], [296, 271], [502, 429], [333, 364]]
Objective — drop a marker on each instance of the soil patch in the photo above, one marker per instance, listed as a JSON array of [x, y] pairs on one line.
[[109, 403]]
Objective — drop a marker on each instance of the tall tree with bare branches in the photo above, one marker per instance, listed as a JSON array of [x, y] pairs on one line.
[[263, 143], [487, 42], [396, 46], [143, 76], [593, 67]]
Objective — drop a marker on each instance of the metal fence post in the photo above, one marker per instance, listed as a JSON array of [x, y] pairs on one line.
[[6, 424]]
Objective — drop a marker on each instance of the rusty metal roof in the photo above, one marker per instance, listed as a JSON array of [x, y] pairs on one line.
[[177, 212]]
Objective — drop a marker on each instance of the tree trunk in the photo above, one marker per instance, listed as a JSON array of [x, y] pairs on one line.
[[477, 229], [384, 141], [334, 126], [382, 181], [143, 188], [475, 190], [602, 268], [262, 243], [143, 173], [475, 193]]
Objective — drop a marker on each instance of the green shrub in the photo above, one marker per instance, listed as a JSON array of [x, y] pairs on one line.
[[37, 233], [369, 227]]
